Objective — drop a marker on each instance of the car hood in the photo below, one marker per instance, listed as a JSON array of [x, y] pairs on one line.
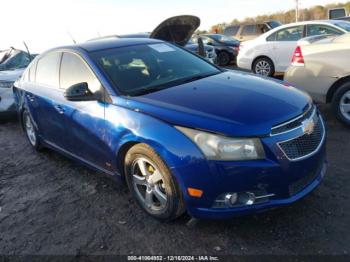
[[230, 103], [177, 29], [11, 75]]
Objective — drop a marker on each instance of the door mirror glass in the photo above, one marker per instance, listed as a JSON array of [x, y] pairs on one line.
[[81, 92]]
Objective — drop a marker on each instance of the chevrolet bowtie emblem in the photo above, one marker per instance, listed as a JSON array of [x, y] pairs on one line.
[[308, 126]]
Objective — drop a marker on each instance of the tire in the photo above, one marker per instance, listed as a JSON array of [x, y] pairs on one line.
[[341, 103], [154, 189], [30, 130], [223, 58], [263, 66]]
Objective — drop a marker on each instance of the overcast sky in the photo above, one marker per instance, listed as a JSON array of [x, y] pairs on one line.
[[44, 24]]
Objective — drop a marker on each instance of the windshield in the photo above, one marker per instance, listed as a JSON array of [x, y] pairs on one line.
[[345, 25], [274, 24], [142, 69]]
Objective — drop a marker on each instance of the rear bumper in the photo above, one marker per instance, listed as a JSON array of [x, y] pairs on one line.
[[310, 81], [244, 63], [7, 101]]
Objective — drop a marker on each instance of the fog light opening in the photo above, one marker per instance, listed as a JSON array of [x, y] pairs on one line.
[[231, 199], [247, 198]]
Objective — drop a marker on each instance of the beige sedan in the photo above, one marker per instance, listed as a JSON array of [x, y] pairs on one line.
[[322, 68]]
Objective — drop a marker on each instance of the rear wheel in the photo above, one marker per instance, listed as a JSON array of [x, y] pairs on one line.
[[151, 184], [341, 103], [223, 58], [264, 66], [30, 130]]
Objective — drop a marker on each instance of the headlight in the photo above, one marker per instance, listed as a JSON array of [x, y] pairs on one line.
[[216, 147], [6, 84]]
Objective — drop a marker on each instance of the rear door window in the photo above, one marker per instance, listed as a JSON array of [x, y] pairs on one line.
[[313, 30], [74, 71], [249, 30], [47, 69], [231, 30], [294, 33]]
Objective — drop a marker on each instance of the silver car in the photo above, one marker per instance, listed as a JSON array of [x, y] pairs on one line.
[[321, 67], [7, 101]]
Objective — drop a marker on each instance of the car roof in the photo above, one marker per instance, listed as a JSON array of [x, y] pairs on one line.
[[308, 23], [109, 43], [300, 23]]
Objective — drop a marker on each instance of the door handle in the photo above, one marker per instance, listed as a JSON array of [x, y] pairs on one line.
[[30, 97], [59, 109]]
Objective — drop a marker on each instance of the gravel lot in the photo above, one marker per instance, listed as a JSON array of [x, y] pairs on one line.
[[50, 205]]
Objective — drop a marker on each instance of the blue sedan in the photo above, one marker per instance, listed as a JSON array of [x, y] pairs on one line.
[[183, 133]]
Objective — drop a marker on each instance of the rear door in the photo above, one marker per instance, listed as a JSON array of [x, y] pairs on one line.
[[283, 44], [85, 123], [44, 98]]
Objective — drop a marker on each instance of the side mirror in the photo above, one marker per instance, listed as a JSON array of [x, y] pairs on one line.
[[81, 92]]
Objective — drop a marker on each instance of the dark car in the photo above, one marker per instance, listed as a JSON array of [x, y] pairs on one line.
[[226, 47]]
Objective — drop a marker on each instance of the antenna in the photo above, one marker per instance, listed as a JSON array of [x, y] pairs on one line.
[[71, 37], [30, 56]]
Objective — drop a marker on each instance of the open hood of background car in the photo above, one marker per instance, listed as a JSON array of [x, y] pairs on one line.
[[177, 29]]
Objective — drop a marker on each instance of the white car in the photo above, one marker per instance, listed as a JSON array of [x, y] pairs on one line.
[[7, 101], [272, 52]]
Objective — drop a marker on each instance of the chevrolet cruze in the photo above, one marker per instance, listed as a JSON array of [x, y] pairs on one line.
[[183, 133]]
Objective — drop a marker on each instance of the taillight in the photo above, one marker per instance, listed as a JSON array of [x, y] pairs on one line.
[[298, 59], [239, 48]]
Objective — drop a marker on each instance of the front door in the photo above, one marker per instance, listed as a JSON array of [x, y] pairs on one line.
[[85, 123]]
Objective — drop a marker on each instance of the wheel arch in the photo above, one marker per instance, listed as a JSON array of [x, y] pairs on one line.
[[335, 86], [262, 56], [122, 154]]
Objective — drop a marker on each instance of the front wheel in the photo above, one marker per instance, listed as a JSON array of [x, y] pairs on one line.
[[30, 131], [264, 66], [341, 103], [151, 183]]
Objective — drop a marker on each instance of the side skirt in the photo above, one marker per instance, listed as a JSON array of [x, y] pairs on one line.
[[81, 160]]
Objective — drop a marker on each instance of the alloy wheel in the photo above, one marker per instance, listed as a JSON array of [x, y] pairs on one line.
[[344, 105], [263, 68], [148, 183], [29, 127]]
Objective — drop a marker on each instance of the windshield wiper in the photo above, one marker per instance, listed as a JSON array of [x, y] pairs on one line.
[[151, 89]]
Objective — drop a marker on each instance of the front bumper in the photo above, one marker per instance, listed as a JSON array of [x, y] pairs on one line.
[[224, 213], [285, 179]]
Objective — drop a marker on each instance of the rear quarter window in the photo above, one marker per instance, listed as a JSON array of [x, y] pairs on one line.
[[249, 30]]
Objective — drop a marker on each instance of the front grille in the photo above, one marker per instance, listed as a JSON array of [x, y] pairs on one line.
[[290, 125], [306, 144]]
